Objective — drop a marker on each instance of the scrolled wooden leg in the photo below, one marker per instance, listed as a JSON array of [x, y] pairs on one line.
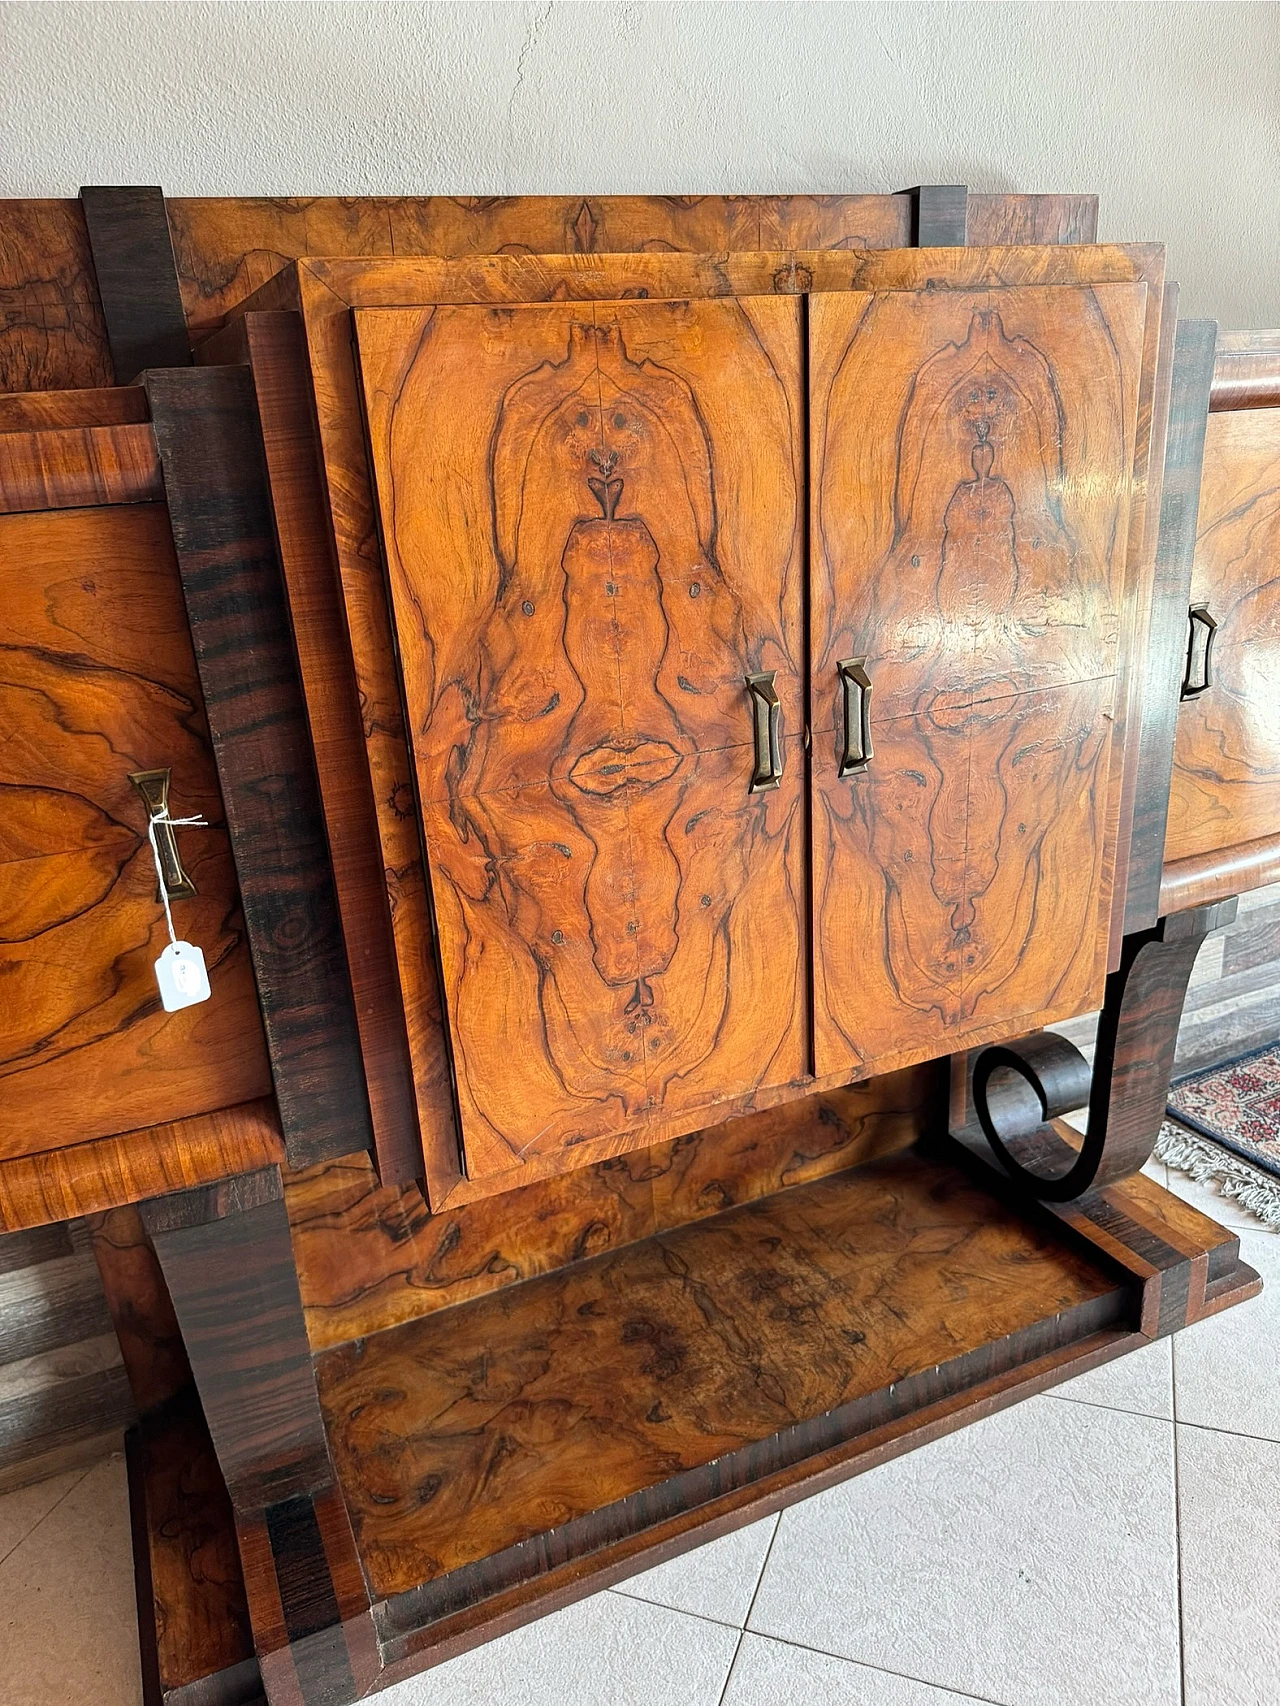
[[1020, 1087]]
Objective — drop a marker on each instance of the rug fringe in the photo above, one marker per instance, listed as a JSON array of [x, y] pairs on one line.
[[1187, 1152]]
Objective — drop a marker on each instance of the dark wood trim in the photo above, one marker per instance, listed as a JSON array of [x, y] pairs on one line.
[[1018, 1089], [228, 1265], [273, 346], [137, 278], [206, 424], [1193, 361], [939, 216]]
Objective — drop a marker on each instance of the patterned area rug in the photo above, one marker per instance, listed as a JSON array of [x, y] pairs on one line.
[[1225, 1126]]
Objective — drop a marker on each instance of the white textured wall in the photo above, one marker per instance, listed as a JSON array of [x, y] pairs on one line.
[[1170, 111]]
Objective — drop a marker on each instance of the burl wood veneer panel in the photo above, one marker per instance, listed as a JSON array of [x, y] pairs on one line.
[[325, 291], [370, 1256], [99, 680], [1226, 769], [668, 1372], [973, 453], [587, 556], [52, 335]]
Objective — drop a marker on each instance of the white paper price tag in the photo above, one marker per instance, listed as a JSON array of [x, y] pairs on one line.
[[181, 974]]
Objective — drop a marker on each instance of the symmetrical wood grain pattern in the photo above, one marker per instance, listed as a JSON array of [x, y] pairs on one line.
[[37, 411], [78, 467], [272, 345], [226, 248], [193, 1617], [1226, 773], [228, 1265], [206, 425], [674, 1370], [371, 1257], [326, 291], [52, 335], [1167, 632], [973, 457], [97, 679], [588, 557], [133, 261], [58, 1184]]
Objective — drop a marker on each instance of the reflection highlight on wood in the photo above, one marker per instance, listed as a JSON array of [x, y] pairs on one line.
[[371, 1257], [970, 512], [660, 1372]]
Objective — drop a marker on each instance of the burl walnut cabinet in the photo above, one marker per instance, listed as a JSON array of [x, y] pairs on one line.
[[684, 692]]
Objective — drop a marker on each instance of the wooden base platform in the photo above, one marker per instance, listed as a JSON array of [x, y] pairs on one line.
[[506, 1455]]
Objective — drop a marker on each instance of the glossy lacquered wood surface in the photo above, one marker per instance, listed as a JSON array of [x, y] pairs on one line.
[[628, 1375], [77, 467], [371, 1257], [587, 557], [272, 345], [1206, 877], [326, 291], [98, 681], [35, 411], [973, 457], [59, 1184], [206, 425], [1226, 774]]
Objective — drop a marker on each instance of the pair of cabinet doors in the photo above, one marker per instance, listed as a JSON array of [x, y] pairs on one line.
[[760, 659]]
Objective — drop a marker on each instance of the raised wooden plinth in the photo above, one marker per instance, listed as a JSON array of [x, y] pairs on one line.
[[511, 1453]]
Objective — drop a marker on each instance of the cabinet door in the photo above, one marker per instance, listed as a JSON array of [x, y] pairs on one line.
[[593, 528], [1226, 768], [98, 679], [972, 454]]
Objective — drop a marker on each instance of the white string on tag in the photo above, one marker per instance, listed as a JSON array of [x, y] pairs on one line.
[[196, 822]]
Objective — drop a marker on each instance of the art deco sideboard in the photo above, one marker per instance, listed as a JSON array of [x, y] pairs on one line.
[[689, 688]]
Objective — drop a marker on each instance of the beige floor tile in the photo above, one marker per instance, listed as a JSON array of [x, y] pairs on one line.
[[606, 1651], [1029, 1559], [68, 1624], [1225, 1368], [769, 1673], [716, 1580], [20, 1511], [1141, 1381], [1229, 1509]]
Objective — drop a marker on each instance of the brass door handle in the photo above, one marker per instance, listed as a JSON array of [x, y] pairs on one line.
[[855, 690], [153, 785], [1198, 675], [766, 718]]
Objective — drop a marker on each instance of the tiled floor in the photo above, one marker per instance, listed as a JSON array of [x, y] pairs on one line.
[[1114, 1544]]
